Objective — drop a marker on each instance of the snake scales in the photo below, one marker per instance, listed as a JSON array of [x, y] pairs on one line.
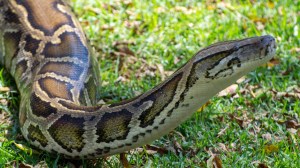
[[45, 50]]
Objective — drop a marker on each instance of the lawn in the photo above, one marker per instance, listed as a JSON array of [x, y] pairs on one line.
[[139, 43]]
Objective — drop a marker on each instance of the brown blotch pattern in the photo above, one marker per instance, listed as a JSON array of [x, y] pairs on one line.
[[67, 69], [113, 126], [35, 134], [45, 16], [10, 17], [31, 44], [56, 88], [41, 108], [161, 98], [67, 132], [70, 46]]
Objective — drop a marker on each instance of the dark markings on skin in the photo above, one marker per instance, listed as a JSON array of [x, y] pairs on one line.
[[128, 144], [31, 44], [21, 67], [142, 134], [113, 126], [212, 59], [56, 88], [267, 51], [254, 48], [181, 99], [264, 50], [41, 108], [149, 131], [106, 149], [35, 134], [219, 74], [73, 106], [36, 15], [234, 61], [121, 146], [161, 98], [185, 105], [99, 151], [91, 155], [135, 138], [216, 57], [265, 46], [162, 121], [92, 118], [70, 46], [35, 65], [82, 97], [103, 150], [66, 69], [68, 132], [170, 112], [10, 17], [208, 75]]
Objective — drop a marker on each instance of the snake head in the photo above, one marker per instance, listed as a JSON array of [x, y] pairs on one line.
[[230, 60]]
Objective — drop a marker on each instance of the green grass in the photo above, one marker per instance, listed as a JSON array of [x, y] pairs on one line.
[[243, 130]]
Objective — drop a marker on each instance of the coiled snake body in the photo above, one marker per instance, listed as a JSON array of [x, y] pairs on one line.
[[44, 48]]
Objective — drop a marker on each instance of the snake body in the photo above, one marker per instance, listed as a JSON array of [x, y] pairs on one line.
[[45, 50]]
